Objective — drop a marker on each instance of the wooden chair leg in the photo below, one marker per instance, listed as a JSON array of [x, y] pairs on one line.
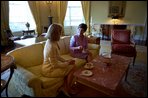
[[134, 60], [127, 73]]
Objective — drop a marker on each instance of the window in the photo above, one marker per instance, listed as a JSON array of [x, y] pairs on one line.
[[19, 15], [74, 15]]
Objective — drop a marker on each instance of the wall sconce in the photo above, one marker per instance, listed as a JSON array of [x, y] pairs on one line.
[[115, 18], [50, 5]]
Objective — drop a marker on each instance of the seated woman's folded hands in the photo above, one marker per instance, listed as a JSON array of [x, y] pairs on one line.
[[71, 62]]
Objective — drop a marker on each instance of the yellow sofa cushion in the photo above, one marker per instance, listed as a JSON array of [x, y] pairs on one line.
[[79, 62], [93, 46]]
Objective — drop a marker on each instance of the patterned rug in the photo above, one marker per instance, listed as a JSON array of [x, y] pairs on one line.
[[137, 81], [137, 75]]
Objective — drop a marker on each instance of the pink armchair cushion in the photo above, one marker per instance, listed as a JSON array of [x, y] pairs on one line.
[[121, 36], [123, 48]]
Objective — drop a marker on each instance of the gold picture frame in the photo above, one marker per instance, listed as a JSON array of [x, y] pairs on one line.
[[117, 8]]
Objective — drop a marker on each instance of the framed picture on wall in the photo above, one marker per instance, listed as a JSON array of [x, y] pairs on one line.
[[117, 8]]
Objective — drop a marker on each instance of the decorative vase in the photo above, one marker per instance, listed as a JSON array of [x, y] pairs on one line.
[[27, 25]]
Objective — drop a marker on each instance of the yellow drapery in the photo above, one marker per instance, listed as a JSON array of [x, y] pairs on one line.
[[86, 13], [62, 7], [34, 7], [4, 21]]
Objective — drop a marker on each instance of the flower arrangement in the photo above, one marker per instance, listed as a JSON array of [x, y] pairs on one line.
[[96, 30], [93, 28]]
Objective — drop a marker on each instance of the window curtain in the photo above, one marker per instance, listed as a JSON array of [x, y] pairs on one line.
[[62, 7], [4, 22], [34, 7], [86, 13]]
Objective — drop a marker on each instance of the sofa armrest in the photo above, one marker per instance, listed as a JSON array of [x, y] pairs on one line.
[[93, 46], [94, 49], [93, 40], [24, 55]]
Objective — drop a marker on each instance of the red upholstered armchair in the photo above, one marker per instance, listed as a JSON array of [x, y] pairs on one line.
[[122, 44]]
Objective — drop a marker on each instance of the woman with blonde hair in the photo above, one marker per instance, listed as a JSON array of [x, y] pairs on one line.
[[54, 66]]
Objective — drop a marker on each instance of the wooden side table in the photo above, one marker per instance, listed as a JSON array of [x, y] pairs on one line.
[[28, 32], [7, 62]]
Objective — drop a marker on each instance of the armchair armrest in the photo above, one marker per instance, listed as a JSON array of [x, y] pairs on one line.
[[133, 43]]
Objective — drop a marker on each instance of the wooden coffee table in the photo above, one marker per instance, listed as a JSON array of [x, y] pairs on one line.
[[105, 78]]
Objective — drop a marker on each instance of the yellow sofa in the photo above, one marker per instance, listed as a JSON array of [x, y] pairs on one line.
[[27, 78]]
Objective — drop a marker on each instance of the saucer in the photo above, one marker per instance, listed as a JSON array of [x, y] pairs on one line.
[[87, 73]]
